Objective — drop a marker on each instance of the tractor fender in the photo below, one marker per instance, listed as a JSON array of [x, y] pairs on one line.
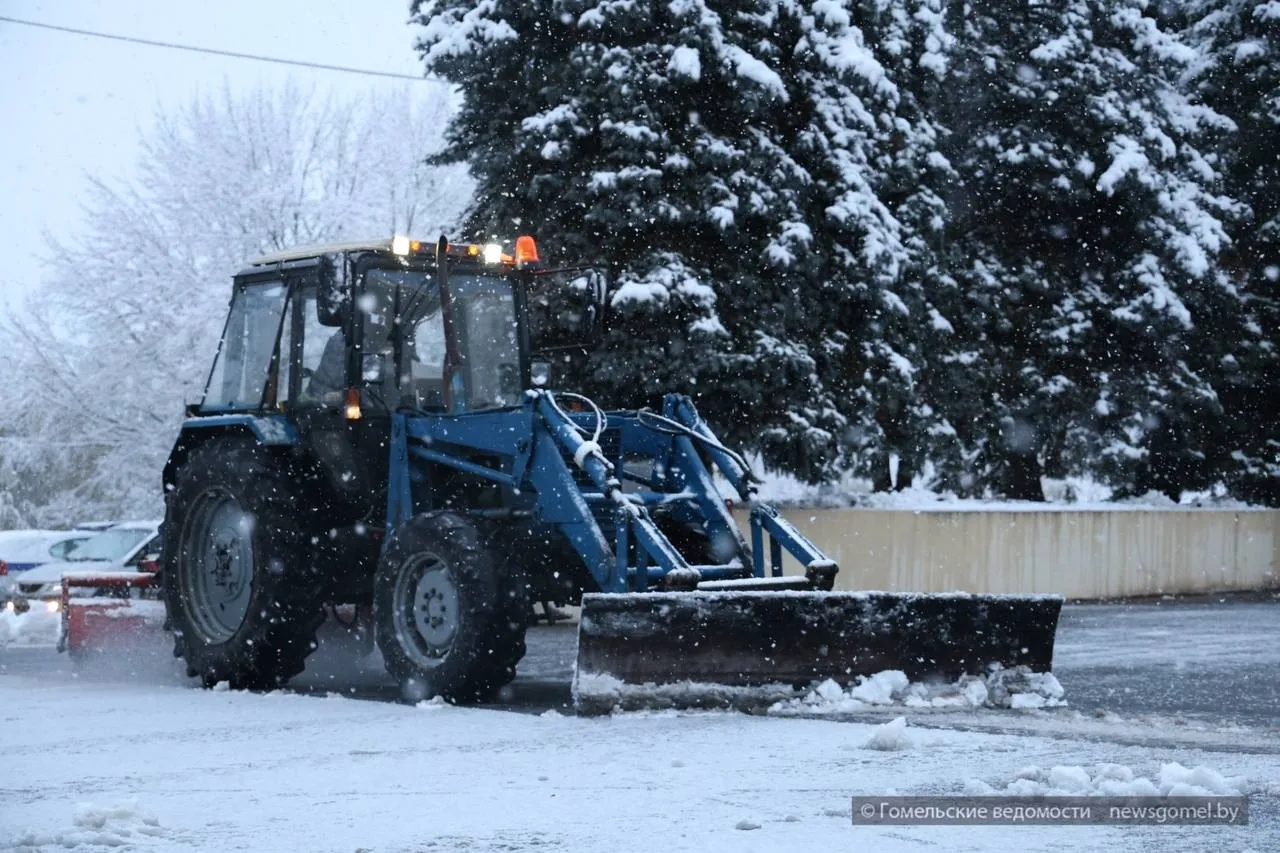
[[267, 430]]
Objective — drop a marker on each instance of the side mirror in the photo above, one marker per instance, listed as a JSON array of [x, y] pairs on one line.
[[540, 373], [566, 309], [333, 294]]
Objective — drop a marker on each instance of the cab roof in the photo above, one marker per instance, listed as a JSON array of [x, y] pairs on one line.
[[298, 253], [526, 252]]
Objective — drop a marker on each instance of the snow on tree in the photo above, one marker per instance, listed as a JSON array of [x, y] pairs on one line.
[[125, 327], [986, 238], [1092, 215], [725, 160], [1239, 76], [904, 335], [15, 492]]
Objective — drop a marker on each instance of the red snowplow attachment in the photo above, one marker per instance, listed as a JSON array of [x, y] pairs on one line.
[[100, 614]]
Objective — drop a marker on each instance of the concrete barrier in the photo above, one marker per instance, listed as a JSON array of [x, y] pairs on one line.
[[1079, 554]]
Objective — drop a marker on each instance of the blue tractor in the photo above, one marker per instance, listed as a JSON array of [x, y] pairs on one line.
[[381, 429]]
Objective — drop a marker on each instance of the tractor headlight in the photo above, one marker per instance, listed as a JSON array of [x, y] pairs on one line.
[[53, 606], [492, 253]]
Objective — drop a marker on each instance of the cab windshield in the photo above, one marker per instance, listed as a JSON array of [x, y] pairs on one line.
[[404, 345]]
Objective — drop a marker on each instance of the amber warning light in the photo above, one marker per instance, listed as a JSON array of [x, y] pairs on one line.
[[404, 246], [526, 251]]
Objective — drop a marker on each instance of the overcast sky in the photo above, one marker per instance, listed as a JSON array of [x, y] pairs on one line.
[[73, 105]]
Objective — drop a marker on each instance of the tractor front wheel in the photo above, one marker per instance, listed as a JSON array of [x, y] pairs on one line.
[[450, 617]]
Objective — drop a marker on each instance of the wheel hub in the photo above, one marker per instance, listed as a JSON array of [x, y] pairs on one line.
[[223, 570], [436, 607], [426, 609], [217, 566]]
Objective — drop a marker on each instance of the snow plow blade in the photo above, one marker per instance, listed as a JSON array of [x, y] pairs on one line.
[[102, 616], [747, 650]]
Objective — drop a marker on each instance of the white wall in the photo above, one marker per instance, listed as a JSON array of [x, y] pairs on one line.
[[1079, 554]]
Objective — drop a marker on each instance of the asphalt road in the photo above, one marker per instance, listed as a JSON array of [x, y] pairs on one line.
[[1216, 661]]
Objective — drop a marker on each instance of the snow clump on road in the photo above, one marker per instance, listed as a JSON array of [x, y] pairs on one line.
[[1017, 688], [1115, 780], [124, 824], [890, 736]]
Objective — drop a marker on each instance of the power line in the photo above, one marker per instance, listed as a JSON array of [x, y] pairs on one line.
[[214, 51]]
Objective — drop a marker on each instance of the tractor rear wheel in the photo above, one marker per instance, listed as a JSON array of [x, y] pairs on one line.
[[239, 594], [450, 611]]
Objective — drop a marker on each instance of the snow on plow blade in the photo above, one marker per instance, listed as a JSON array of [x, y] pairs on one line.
[[750, 649], [97, 622]]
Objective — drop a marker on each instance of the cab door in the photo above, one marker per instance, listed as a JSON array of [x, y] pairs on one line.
[[349, 447]]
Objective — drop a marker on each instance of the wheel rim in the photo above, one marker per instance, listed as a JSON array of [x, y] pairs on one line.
[[425, 609], [217, 566]]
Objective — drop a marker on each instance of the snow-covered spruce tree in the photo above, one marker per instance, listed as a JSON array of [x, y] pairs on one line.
[[907, 338], [845, 261], [1239, 75], [1091, 216], [124, 328], [721, 159]]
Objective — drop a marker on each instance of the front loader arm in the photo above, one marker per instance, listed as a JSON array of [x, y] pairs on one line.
[[693, 478], [543, 446]]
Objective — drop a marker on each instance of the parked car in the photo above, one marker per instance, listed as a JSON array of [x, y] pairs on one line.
[[129, 546], [23, 550], [10, 539]]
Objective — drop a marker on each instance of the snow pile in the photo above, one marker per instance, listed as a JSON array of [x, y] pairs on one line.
[[1017, 688], [36, 627], [878, 689], [1021, 688], [890, 736], [1116, 780], [125, 824]]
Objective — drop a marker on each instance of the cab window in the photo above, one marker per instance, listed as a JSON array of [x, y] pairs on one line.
[[323, 367], [243, 364]]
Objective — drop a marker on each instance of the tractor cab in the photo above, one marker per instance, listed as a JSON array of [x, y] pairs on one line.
[[368, 329]]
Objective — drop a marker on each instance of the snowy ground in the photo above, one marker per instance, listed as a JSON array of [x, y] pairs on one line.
[[153, 764]]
